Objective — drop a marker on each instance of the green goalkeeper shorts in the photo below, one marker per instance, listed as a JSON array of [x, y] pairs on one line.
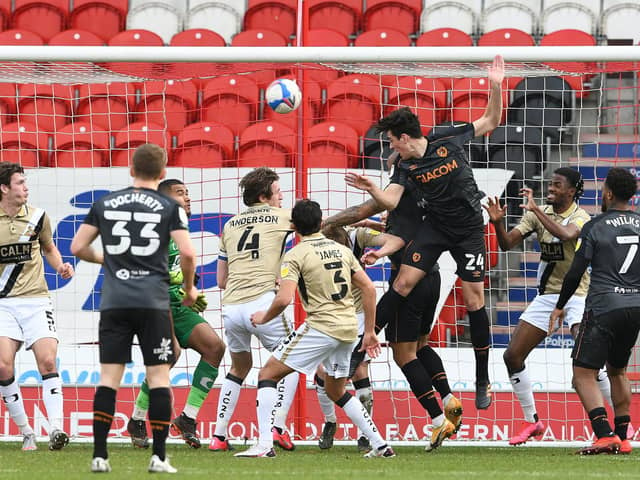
[[184, 321]]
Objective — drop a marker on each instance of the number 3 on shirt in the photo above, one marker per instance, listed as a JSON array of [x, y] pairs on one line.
[[338, 279], [147, 232]]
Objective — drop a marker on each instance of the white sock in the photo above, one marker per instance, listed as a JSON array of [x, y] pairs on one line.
[[326, 405], [286, 393], [359, 416], [139, 413], [604, 385], [267, 397], [524, 391], [229, 394], [439, 420], [53, 400], [15, 406]]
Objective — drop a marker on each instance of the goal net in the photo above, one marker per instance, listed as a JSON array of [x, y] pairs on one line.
[[73, 115]]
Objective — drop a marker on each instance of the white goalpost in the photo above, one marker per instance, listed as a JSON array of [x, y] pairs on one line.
[[72, 116]]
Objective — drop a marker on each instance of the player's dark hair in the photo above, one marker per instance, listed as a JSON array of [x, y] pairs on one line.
[[574, 177], [148, 161], [400, 121], [622, 183], [306, 216], [164, 186], [7, 169], [257, 182]]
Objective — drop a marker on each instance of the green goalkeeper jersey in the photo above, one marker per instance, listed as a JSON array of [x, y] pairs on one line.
[[175, 273]]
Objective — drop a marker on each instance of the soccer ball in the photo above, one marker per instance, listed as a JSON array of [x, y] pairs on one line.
[[283, 95]]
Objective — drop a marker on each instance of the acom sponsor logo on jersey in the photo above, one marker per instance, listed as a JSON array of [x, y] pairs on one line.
[[437, 172]]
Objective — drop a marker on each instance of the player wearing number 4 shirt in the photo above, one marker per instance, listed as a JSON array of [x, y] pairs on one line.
[[26, 312], [251, 248], [323, 271], [609, 243], [135, 225]]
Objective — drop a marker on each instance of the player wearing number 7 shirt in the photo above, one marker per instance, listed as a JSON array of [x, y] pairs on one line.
[[135, 225]]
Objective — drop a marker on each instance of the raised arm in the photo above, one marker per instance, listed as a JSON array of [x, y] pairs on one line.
[[563, 233], [491, 117], [352, 215], [388, 198], [388, 244], [506, 240]]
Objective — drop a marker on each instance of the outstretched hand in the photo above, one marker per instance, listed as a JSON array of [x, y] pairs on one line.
[[358, 181], [496, 71], [495, 211], [529, 202]]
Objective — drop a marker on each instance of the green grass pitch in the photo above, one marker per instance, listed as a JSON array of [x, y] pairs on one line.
[[341, 462]]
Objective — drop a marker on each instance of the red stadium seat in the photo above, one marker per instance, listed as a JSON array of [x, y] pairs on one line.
[[204, 145], [5, 14], [570, 37], [342, 16], [196, 37], [266, 143], [47, 106], [105, 105], [491, 244], [276, 15], [324, 38], [382, 37], [20, 37], [136, 38], [427, 97], [77, 37], [402, 15], [444, 37], [332, 145], [47, 17], [232, 100], [312, 96], [506, 37], [134, 135], [469, 98], [105, 18], [171, 103], [80, 144], [260, 38], [23, 143], [7, 102], [355, 100]]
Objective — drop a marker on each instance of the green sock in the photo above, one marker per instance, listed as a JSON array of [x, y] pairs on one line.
[[203, 379], [142, 402]]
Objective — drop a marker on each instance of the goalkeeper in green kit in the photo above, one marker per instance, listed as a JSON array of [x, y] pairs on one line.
[[191, 331]]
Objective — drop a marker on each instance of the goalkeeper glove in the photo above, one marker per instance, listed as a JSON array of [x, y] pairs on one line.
[[200, 305], [176, 277]]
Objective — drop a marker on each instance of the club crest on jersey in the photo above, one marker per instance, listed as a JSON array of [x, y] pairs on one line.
[[416, 257], [442, 152]]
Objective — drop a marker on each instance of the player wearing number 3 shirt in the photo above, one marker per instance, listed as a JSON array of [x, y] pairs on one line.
[[135, 225]]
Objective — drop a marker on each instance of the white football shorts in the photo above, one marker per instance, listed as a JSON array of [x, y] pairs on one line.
[[306, 348], [27, 319], [238, 329], [540, 308]]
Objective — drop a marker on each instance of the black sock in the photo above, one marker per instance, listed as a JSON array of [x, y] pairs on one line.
[[388, 307], [160, 419], [420, 384], [622, 424], [600, 423], [432, 363], [104, 406], [480, 339]]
